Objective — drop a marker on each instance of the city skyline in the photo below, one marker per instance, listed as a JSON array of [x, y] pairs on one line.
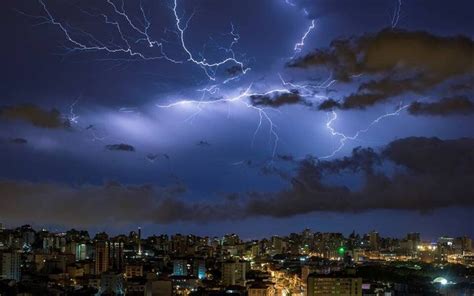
[[306, 263], [249, 117]]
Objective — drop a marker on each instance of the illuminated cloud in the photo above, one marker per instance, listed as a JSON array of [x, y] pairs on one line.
[[397, 62]]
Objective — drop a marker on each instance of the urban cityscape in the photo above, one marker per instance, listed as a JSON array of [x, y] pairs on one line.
[[40, 262], [236, 147]]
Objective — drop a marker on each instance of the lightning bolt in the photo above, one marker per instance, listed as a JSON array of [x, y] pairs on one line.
[[310, 90], [290, 3], [396, 14], [299, 45], [209, 68], [72, 117], [121, 22], [242, 99], [344, 138], [130, 47]]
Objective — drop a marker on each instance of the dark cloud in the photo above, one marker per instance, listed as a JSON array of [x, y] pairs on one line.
[[402, 61], [448, 158], [120, 147], [278, 100], [328, 104], [429, 174], [463, 86], [446, 106], [34, 115], [433, 174], [203, 143], [152, 157], [374, 91], [112, 203], [20, 141], [286, 157], [234, 70]]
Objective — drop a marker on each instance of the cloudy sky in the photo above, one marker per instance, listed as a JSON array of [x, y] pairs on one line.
[[254, 117]]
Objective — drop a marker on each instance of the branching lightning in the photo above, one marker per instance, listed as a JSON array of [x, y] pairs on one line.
[[343, 137], [209, 68], [310, 90], [130, 46], [242, 99]]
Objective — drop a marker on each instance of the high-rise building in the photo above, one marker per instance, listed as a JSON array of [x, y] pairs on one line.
[[277, 244], [116, 260], [199, 268], [101, 257], [189, 266], [234, 273], [10, 265], [334, 285], [180, 267], [374, 240], [81, 251]]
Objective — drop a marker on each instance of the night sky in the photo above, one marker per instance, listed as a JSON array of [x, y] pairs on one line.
[[254, 117]]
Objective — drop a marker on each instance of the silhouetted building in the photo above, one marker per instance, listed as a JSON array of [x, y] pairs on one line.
[[101, 257]]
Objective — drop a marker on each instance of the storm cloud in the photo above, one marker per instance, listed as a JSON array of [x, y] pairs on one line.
[[34, 115], [277, 100], [430, 174], [396, 62], [446, 106], [89, 205], [120, 147]]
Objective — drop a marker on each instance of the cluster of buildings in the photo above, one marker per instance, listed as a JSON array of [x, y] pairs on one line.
[[39, 262]]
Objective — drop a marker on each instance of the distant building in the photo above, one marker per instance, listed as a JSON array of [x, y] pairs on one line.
[[116, 255], [334, 285], [101, 257], [277, 244], [81, 251], [180, 267], [10, 265], [234, 273], [189, 266], [374, 240]]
